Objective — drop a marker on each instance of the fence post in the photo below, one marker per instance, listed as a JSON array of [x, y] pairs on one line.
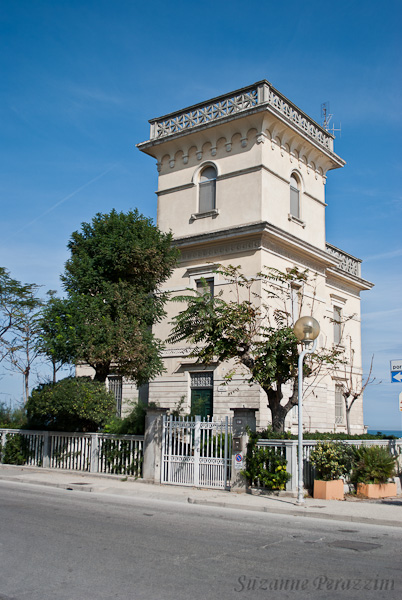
[[3, 443], [197, 439], [291, 458], [94, 465], [46, 450], [153, 444], [243, 419]]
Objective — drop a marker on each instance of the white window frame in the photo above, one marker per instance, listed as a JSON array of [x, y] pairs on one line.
[[296, 218], [212, 211]]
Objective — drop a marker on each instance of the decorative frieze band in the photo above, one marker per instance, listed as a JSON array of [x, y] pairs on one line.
[[220, 250], [172, 352]]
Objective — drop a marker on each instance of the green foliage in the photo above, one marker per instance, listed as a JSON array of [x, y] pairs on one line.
[[112, 280], [132, 424], [332, 460], [16, 450], [373, 464], [12, 418], [71, 404], [265, 467], [270, 434]]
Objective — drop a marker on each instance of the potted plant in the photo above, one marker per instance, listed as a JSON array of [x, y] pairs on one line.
[[331, 461], [374, 466]]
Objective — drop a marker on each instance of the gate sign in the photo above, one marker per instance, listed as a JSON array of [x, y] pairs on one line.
[[396, 371], [238, 461]]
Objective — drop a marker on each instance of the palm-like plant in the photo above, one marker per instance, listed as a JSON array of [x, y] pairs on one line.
[[374, 464]]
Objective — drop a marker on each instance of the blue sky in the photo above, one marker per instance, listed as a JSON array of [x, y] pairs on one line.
[[81, 78]]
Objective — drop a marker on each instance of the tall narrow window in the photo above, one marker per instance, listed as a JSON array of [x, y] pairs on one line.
[[294, 197], [116, 387], [337, 325], [338, 405], [207, 190]]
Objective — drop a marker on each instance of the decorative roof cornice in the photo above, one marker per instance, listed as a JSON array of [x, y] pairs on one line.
[[260, 96]]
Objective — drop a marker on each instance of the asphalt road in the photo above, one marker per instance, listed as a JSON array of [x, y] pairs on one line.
[[71, 545]]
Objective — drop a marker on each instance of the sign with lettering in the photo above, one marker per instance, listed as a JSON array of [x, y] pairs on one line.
[[396, 371]]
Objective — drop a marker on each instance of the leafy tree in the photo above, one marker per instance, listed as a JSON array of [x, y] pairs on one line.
[[112, 282], [25, 348], [57, 333], [247, 331], [71, 404], [15, 298]]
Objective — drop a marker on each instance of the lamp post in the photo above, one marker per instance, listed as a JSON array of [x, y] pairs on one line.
[[306, 329]]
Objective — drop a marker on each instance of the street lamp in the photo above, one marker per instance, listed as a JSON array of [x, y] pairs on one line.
[[306, 329]]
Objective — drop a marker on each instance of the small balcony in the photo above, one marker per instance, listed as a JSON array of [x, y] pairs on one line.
[[347, 262]]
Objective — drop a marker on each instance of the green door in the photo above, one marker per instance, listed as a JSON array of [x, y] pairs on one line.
[[202, 402]]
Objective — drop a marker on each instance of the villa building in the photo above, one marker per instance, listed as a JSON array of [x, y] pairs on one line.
[[242, 182]]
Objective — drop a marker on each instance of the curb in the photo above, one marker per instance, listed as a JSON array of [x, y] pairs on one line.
[[302, 512], [296, 513]]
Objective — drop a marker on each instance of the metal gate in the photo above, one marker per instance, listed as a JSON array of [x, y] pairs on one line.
[[196, 452]]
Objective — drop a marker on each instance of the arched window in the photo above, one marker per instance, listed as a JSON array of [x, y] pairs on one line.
[[207, 190], [294, 196]]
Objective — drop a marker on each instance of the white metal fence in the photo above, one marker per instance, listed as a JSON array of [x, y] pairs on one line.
[[288, 449], [91, 452], [197, 453]]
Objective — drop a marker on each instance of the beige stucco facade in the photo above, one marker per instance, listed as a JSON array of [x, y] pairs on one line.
[[256, 141]]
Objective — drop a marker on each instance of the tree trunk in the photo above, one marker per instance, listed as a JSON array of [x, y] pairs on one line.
[[348, 418], [26, 383], [278, 412], [102, 370]]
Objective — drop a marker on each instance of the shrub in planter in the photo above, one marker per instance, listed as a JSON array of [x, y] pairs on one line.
[[331, 460], [374, 466]]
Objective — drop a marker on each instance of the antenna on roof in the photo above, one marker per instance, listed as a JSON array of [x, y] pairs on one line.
[[326, 117]]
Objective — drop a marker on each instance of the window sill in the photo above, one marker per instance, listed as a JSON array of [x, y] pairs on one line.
[[209, 213], [296, 220]]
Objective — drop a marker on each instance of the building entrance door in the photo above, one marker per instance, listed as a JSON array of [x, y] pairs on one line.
[[202, 384]]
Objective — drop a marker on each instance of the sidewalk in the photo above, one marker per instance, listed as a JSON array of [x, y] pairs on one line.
[[376, 512]]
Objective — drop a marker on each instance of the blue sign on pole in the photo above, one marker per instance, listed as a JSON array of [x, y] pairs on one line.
[[396, 376]]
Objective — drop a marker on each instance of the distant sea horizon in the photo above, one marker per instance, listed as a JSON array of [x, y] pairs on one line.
[[395, 432]]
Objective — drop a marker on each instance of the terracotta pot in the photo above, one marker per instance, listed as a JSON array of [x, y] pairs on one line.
[[328, 490], [376, 490]]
